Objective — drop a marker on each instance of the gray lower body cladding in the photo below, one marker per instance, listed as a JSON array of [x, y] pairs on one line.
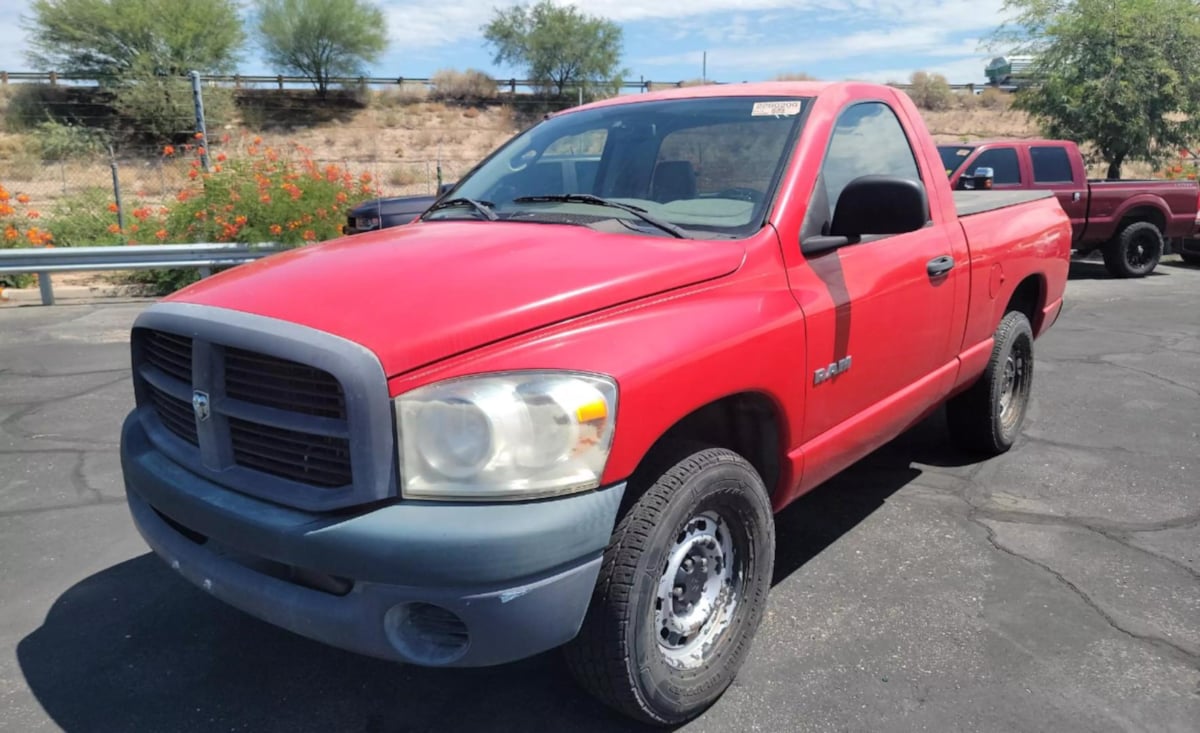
[[506, 580]]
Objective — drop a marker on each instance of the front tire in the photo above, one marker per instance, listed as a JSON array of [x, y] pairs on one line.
[[681, 591], [1135, 251], [987, 417]]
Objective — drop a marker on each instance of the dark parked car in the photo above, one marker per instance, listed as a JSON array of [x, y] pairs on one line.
[[388, 212]]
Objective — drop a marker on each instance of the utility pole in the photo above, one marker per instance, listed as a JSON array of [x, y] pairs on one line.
[[704, 68]]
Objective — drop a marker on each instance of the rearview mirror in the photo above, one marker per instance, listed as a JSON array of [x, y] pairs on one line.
[[981, 179], [870, 206]]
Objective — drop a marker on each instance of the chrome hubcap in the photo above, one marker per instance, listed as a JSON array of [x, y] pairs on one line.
[[696, 593]]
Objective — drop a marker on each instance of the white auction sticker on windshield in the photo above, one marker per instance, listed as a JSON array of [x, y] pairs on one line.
[[776, 109]]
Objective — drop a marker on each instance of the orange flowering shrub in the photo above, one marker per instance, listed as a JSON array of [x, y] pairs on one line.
[[17, 222], [1182, 170], [265, 195]]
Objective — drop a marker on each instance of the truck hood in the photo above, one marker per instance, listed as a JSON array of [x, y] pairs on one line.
[[418, 294]]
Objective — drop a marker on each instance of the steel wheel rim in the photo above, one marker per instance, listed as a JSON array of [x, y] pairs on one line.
[[698, 591], [1014, 385]]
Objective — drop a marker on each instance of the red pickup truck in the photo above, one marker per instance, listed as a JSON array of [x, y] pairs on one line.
[[562, 408], [1126, 220]]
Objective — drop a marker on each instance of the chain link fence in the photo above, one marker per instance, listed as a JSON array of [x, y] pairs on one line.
[[67, 147]]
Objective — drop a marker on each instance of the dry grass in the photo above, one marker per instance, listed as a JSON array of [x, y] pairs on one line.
[[402, 138]]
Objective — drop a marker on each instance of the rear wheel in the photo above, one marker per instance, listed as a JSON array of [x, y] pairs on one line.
[[681, 591], [987, 417], [1135, 251]]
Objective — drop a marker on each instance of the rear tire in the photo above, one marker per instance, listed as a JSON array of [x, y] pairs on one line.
[[987, 417], [681, 591], [1135, 251]]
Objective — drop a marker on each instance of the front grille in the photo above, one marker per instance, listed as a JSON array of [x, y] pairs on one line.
[[175, 414], [170, 353], [309, 401], [282, 384], [317, 460]]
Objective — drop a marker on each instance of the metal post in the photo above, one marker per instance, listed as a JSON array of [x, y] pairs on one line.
[[704, 68], [580, 96], [198, 101], [62, 169], [116, 179], [439, 168], [46, 287]]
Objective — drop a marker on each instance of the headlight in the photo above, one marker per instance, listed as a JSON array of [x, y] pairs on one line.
[[367, 222], [519, 435]]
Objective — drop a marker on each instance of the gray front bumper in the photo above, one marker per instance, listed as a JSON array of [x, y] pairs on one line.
[[519, 576]]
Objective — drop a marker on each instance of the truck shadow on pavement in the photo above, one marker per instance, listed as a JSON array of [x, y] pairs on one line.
[[137, 648]]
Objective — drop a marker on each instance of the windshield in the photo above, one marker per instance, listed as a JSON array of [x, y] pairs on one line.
[[707, 166], [953, 157]]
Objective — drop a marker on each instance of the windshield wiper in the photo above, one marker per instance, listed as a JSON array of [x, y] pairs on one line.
[[483, 207], [587, 198]]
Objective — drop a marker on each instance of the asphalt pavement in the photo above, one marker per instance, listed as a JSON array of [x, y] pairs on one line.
[[1056, 588]]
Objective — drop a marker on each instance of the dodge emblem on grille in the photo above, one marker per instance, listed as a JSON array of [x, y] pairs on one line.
[[200, 405]]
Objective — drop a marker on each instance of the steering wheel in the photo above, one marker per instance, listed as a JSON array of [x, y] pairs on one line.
[[739, 193]]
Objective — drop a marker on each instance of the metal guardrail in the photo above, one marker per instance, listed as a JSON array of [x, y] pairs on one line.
[[204, 256], [282, 81]]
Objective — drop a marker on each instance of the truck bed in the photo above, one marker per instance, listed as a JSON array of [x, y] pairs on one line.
[[978, 202]]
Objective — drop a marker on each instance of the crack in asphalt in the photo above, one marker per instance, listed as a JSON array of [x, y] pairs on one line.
[[1054, 443], [1112, 531], [1159, 377], [1156, 641], [102, 501], [59, 398]]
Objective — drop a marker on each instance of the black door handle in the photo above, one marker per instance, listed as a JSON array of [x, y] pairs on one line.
[[939, 265]]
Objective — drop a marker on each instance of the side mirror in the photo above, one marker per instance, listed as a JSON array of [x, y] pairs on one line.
[[980, 180], [873, 205]]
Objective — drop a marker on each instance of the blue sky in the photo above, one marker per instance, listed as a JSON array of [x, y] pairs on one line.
[[746, 40]]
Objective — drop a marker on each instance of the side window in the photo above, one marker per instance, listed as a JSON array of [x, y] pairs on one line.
[[1002, 161], [867, 140], [1050, 165]]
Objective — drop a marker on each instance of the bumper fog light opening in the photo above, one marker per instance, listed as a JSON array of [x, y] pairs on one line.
[[426, 634]]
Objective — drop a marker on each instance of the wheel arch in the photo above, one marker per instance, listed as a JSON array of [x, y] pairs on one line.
[[749, 423]]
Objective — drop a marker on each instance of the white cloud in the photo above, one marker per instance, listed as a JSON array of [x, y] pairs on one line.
[[922, 31]]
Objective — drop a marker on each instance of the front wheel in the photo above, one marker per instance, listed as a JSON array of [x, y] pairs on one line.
[[1135, 251], [681, 591]]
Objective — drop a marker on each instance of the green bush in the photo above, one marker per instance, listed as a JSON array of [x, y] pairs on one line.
[[161, 109], [471, 85], [56, 141], [84, 219], [930, 91]]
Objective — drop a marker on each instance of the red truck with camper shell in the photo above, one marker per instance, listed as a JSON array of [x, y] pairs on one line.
[[562, 408], [1129, 221]]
